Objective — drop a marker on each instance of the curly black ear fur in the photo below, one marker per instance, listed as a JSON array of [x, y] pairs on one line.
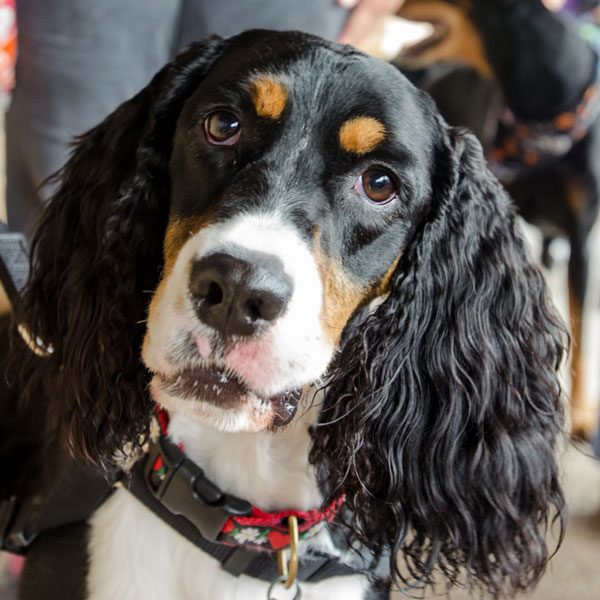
[[441, 417], [96, 250]]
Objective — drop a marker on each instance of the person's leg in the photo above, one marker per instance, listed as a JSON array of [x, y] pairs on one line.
[[78, 60], [201, 18]]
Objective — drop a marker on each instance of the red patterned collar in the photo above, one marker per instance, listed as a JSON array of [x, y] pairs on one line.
[[260, 530]]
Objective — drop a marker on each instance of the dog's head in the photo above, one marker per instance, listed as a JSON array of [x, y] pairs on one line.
[[293, 192], [275, 211]]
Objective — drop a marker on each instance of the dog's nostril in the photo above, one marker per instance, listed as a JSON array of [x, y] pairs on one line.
[[214, 294], [252, 308], [265, 305]]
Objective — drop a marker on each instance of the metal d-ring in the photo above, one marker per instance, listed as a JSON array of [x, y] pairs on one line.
[[288, 571], [281, 581]]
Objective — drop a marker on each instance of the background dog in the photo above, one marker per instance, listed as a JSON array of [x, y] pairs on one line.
[[528, 89], [275, 214]]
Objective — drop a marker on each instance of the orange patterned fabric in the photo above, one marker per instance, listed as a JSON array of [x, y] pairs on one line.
[[8, 48], [524, 144]]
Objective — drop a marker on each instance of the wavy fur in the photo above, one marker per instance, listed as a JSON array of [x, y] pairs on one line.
[[441, 417], [97, 256]]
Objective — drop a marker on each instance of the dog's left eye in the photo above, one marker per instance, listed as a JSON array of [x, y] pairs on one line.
[[376, 185], [222, 128]]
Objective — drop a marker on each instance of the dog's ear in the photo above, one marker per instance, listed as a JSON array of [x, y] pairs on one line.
[[96, 256], [441, 418]]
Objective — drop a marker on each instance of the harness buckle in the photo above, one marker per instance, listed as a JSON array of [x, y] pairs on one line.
[[183, 489]]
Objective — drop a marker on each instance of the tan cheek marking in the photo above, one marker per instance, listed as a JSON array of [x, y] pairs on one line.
[[156, 301], [342, 297], [269, 97], [361, 134], [178, 232], [383, 287]]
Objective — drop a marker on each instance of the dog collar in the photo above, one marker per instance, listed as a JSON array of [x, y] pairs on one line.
[[181, 486]]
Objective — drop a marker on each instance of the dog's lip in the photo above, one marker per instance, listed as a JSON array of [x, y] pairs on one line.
[[227, 390]]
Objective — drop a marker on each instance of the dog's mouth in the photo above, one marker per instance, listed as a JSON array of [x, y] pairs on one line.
[[220, 387]]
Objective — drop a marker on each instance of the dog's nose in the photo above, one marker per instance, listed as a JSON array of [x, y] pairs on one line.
[[236, 295]]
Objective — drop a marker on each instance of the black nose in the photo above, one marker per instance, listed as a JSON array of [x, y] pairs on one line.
[[236, 295]]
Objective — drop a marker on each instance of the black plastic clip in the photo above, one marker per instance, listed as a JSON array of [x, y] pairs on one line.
[[186, 491]]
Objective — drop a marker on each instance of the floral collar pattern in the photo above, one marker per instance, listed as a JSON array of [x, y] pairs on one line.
[[261, 530]]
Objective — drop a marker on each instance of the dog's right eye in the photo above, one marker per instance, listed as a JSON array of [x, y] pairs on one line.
[[377, 186], [222, 128]]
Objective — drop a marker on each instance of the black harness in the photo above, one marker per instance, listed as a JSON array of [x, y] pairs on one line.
[[186, 500]]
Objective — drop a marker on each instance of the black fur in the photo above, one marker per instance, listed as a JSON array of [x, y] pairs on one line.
[[441, 418], [443, 407], [96, 254]]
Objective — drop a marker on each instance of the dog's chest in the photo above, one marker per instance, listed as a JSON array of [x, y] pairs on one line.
[[133, 554]]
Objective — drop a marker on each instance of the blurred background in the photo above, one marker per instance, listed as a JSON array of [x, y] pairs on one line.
[[460, 56]]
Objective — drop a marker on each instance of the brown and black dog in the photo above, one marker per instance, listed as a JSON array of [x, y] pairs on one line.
[[541, 138]]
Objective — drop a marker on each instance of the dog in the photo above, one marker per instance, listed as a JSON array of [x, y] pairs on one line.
[[531, 81], [281, 243]]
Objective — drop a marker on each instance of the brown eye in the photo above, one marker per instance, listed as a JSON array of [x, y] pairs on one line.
[[376, 185], [222, 128]]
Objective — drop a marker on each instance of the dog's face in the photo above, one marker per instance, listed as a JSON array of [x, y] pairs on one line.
[[293, 193]]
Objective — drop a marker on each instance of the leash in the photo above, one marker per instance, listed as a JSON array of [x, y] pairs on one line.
[[14, 262]]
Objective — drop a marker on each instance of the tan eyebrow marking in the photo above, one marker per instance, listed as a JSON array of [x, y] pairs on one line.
[[269, 97], [361, 134]]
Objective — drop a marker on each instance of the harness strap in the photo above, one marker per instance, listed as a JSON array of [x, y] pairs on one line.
[[237, 560], [74, 496]]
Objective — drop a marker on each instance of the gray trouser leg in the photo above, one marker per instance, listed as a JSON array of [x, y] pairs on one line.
[[79, 59], [201, 18]]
